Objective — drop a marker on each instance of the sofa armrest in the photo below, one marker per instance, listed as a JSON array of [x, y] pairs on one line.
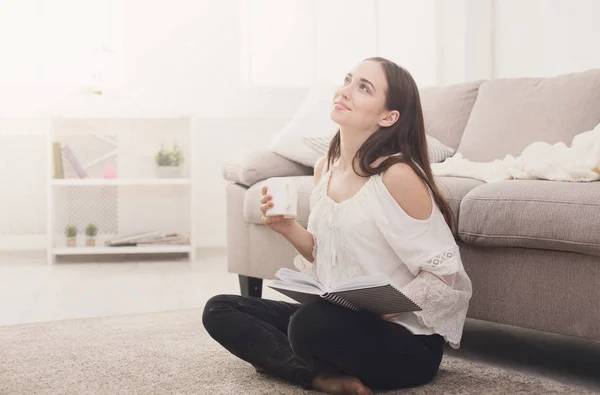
[[260, 164]]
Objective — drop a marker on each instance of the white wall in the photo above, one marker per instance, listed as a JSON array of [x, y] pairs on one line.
[[175, 57], [451, 48], [407, 35], [546, 37], [298, 42], [187, 56], [23, 171]]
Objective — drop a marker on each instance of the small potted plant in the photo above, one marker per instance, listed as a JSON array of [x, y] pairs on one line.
[[71, 234], [169, 162], [91, 231]]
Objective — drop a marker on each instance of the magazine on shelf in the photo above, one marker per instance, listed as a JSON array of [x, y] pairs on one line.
[[372, 293], [167, 240], [75, 163], [141, 238]]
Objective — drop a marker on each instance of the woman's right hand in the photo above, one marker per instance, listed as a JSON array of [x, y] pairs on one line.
[[278, 223]]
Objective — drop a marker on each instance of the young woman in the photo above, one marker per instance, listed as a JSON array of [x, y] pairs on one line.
[[375, 209]]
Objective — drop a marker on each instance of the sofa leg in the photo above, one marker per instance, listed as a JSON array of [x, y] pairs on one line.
[[251, 286]]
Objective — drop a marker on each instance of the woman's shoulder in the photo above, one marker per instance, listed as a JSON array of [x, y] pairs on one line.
[[320, 169], [409, 191], [401, 172]]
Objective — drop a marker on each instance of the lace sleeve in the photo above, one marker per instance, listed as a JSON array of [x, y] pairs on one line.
[[444, 307]]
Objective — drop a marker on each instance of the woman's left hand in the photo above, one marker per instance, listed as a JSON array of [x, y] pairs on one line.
[[389, 316]]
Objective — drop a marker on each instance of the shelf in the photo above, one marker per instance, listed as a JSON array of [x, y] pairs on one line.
[[101, 250], [141, 196], [120, 181]]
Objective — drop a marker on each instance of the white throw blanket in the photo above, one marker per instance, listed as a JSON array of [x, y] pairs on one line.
[[538, 161]]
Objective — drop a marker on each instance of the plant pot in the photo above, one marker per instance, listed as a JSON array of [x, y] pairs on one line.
[[168, 171], [71, 242], [90, 242]]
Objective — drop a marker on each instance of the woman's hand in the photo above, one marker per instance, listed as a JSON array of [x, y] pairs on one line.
[[278, 223], [290, 229]]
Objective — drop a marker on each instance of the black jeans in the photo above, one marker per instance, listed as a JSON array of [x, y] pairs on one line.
[[297, 342]]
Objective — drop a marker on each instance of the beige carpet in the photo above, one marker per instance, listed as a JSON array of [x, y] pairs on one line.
[[170, 353]]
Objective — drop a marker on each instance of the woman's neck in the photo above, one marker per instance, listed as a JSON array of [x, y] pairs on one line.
[[350, 143]]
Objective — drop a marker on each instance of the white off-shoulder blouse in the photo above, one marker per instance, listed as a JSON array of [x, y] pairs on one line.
[[370, 233]]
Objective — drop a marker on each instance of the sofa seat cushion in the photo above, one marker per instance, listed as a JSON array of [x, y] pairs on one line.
[[454, 190], [304, 184], [561, 216]]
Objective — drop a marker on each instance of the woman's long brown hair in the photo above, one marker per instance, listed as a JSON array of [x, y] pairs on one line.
[[405, 137]]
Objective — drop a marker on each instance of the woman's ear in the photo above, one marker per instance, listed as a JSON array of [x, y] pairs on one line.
[[389, 119]]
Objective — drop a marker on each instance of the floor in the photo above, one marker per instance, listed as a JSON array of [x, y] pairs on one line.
[[33, 291]]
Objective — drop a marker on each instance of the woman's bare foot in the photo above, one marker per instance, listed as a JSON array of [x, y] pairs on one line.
[[340, 385]]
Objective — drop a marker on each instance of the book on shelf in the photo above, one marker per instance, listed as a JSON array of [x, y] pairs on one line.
[[372, 293], [145, 238], [57, 159], [130, 239]]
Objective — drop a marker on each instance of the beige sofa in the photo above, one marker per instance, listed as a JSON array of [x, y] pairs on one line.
[[531, 247]]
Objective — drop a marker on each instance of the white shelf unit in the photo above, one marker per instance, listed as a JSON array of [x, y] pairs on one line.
[[122, 181], [123, 250], [135, 201]]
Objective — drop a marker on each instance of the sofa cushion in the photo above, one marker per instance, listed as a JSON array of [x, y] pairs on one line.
[[437, 151], [510, 114], [454, 190], [311, 120], [304, 184], [541, 214], [260, 164], [446, 110]]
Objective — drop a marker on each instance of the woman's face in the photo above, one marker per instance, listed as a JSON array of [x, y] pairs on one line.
[[359, 103]]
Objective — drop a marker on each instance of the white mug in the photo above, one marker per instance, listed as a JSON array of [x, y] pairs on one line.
[[284, 197]]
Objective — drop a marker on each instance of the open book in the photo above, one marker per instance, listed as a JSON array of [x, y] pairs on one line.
[[372, 293]]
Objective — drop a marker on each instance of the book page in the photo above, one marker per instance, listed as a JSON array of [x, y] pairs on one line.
[[292, 277], [369, 281]]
